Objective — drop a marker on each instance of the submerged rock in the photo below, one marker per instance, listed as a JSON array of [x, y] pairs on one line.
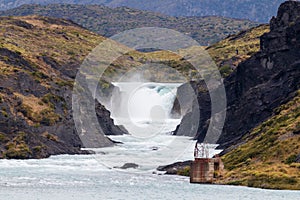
[[129, 165], [175, 168]]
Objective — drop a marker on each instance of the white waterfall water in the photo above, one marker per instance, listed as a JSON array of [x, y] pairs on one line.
[[144, 108]]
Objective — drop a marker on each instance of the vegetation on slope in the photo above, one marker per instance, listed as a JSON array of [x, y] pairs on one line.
[[228, 53], [256, 10], [270, 155], [38, 61], [108, 21]]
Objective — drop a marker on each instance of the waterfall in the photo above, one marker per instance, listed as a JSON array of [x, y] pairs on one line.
[[144, 108]]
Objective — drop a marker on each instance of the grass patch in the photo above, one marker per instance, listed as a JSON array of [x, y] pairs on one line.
[[17, 148], [40, 111]]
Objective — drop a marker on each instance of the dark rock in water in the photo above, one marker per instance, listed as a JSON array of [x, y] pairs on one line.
[[154, 148], [184, 99], [174, 168], [115, 142], [260, 84], [107, 123], [129, 165], [192, 108]]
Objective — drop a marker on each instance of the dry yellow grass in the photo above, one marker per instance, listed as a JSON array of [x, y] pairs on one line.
[[33, 102]]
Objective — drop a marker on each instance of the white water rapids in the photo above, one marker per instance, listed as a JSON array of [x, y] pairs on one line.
[[144, 110]]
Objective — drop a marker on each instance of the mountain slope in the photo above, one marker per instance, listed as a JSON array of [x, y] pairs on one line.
[[108, 21], [234, 49], [258, 10], [266, 80], [270, 154], [36, 82]]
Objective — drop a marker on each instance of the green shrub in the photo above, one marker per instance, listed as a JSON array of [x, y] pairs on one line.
[[184, 172], [17, 150], [26, 110], [291, 159], [225, 70]]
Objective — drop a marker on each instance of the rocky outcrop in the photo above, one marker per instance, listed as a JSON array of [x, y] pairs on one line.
[[195, 113], [129, 165], [107, 123], [267, 80], [176, 168]]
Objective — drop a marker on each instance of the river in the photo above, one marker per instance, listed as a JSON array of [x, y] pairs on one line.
[[84, 177]]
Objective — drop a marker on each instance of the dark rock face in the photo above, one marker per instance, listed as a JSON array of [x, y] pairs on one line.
[[263, 82], [195, 112], [45, 138], [106, 123], [175, 167], [266, 80]]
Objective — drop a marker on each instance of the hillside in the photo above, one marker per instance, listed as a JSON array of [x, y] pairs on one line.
[[36, 82], [247, 43], [258, 85], [269, 156], [109, 21], [260, 137], [258, 10]]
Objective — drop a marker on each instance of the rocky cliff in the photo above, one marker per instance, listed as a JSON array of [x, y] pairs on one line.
[[39, 59], [263, 82]]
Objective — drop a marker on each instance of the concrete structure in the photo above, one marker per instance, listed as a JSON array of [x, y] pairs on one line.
[[205, 169]]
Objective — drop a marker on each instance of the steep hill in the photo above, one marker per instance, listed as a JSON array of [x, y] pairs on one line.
[[266, 80], [261, 132], [234, 49], [258, 85], [39, 58], [109, 21], [258, 10], [269, 156]]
